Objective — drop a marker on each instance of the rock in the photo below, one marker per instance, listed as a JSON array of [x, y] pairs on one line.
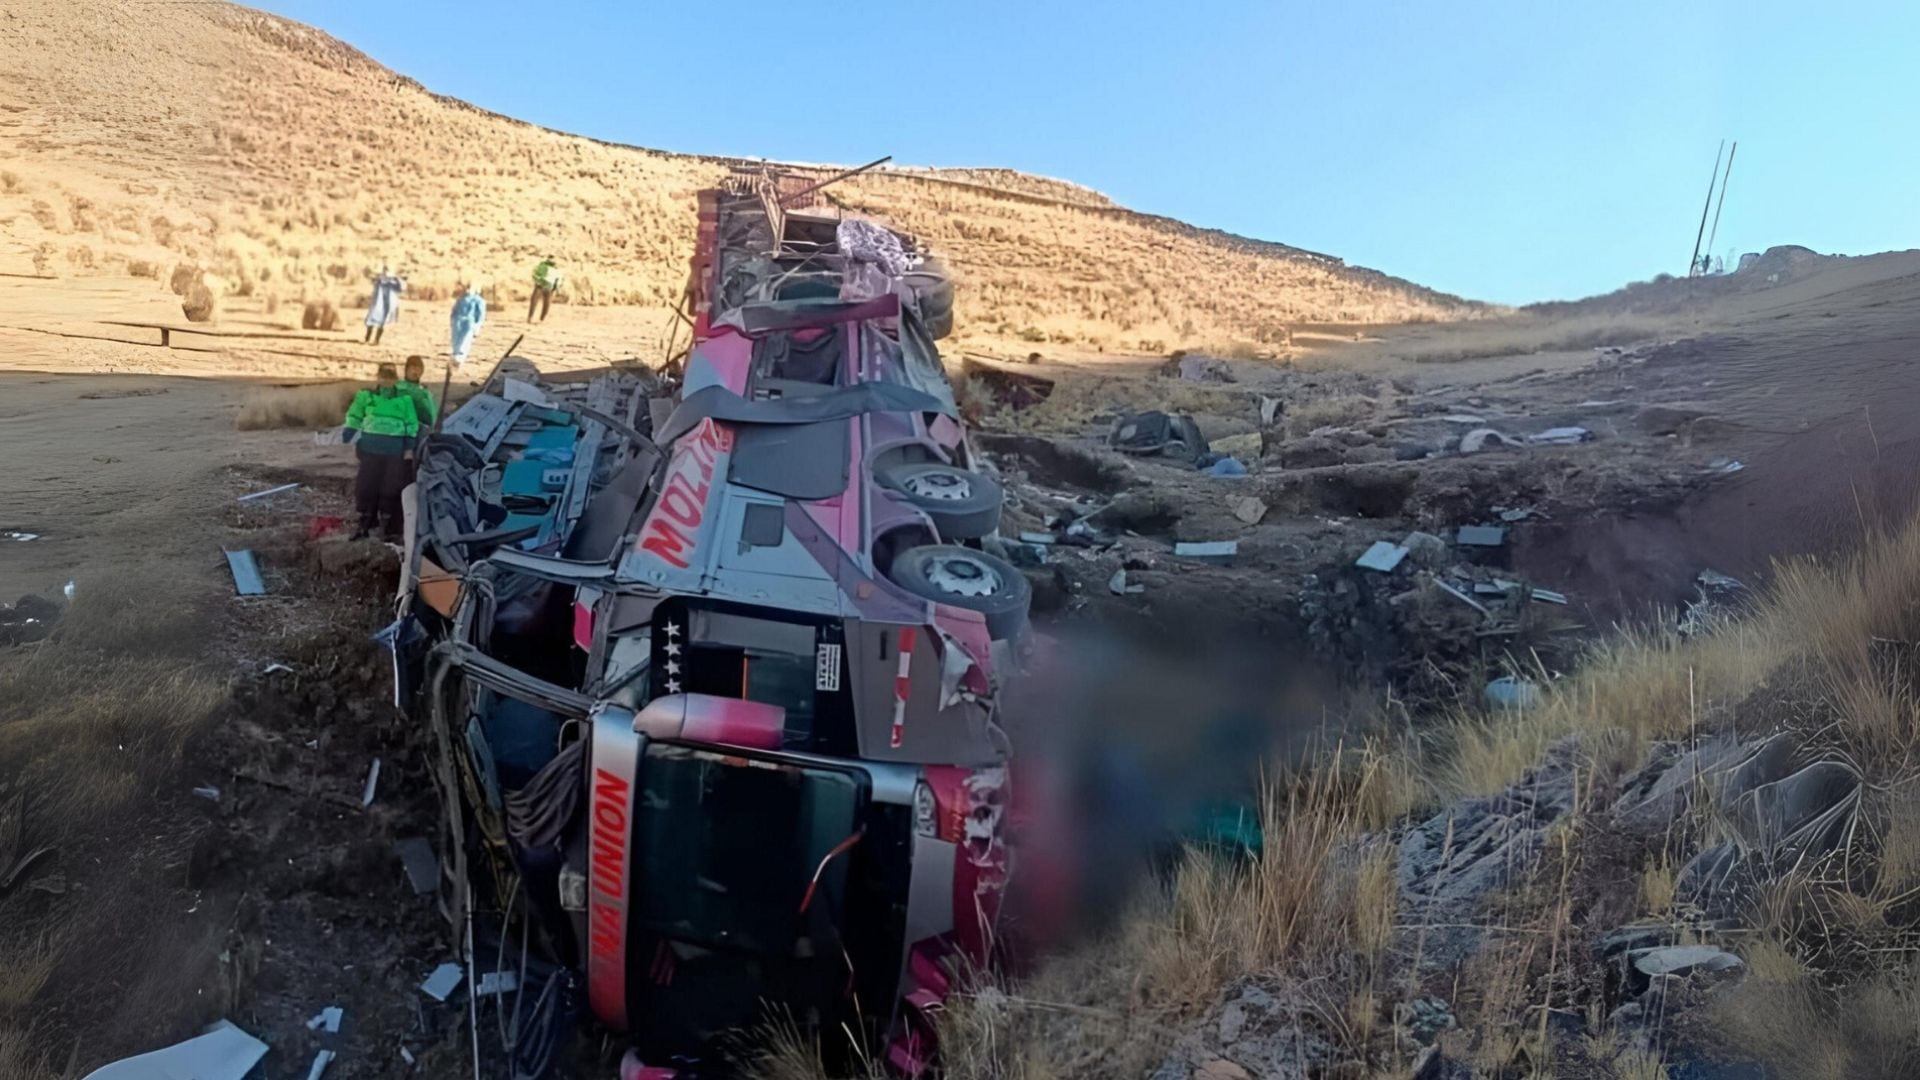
[[1669, 419], [1427, 549], [1259, 1028], [1196, 368], [1451, 862], [32, 606], [1683, 960], [1434, 1064], [1247, 447], [1221, 1069], [1249, 510], [1714, 880], [1424, 1018], [1801, 812], [1722, 768]]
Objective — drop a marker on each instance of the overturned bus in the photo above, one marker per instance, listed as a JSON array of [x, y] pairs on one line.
[[712, 657]]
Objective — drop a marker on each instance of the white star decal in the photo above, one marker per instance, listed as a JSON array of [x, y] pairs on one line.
[[673, 686], [672, 631], [673, 667], [673, 648]]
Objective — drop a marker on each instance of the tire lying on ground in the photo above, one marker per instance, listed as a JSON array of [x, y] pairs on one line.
[[963, 505], [964, 578]]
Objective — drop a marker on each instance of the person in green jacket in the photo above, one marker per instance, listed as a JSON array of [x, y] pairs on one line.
[[546, 278], [424, 408], [382, 424]]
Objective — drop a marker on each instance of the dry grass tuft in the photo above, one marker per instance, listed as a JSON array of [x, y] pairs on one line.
[[316, 405]]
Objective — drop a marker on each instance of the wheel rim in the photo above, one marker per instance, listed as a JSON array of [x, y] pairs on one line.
[[939, 486], [961, 575]]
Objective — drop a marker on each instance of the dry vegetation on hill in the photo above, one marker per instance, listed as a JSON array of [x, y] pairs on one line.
[[287, 164]]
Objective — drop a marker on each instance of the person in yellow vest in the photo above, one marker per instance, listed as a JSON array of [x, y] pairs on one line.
[[546, 279]]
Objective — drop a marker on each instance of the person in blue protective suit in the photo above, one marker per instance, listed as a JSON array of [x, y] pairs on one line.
[[469, 312]]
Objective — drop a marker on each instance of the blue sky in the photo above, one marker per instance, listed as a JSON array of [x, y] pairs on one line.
[[1506, 150]]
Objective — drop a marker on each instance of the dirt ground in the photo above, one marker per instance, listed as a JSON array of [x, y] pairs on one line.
[[284, 896]]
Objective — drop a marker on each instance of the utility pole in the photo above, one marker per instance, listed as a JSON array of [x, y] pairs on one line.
[[1694, 261], [1728, 175]]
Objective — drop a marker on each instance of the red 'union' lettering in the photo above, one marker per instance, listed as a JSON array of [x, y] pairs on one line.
[[678, 504], [669, 545]]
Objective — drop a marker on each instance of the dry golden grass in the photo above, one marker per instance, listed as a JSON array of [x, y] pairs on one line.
[[289, 165], [317, 405], [1640, 685], [1870, 1030], [1520, 335], [90, 720]]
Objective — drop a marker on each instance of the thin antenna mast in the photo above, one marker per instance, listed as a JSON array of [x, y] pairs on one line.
[[1715, 232], [1704, 207]]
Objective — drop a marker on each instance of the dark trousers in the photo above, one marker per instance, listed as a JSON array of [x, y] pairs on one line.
[[377, 487], [542, 299]]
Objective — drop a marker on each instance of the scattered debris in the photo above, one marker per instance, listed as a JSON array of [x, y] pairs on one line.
[[320, 1062], [271, 668], [223, 1052], [1247, 447], [1117, 584], [1041, 538], [1462, 597], [1513, 692], [1155, 432], [1270, 408], [1561, 436], [1218, 552], [1728, 466], [208, 792], [1517, 513], [320, 525], [1716, 597], [17, 535], [1249, 510], [1476, 440], [406, 1055], [1480, 536], [497, 982], [327, 1019], [1227, 466], [266, 493], [441, 982], [373, 781], [29, 619], [246, 573], [419, 861], [1383, 556], [1464, 418]]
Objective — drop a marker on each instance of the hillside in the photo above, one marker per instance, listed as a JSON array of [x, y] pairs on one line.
[[288, 164]]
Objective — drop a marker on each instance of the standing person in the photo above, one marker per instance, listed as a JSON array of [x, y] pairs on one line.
[[410, 384], [469, 311], [382, 424], [546, 278], [384, 309]]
